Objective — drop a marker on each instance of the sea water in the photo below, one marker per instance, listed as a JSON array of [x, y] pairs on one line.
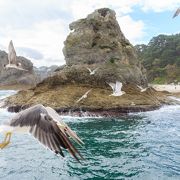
[[137, 146]]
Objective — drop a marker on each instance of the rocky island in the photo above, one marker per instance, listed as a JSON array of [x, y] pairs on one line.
[[14, 77], [94, 42]]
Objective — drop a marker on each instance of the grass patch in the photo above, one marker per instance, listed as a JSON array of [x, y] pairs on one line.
[[160, 80]]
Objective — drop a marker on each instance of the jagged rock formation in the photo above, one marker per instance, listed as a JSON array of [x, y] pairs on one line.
[[96, 41], [44, 72], [14, 76]]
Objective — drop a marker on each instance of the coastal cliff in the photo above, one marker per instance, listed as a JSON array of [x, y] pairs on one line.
[[16, 77], [94, 42]]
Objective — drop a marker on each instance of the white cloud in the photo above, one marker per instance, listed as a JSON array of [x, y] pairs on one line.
[[159, 6], [133, 30], [81, 8], [46, 37], [43, 25]]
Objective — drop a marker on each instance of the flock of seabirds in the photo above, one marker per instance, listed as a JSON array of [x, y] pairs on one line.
[[44, 123]]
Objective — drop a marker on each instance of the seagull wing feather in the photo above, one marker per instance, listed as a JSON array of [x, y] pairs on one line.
[[176, 13], [82, 97], [89, 70], [63, 126], [95, 69], [112, 85], [139, 87], [11, 54], [118, 87], [87, 92], [45, 130]]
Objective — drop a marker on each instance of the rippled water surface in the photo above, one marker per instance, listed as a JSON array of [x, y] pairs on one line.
[[139, 146]]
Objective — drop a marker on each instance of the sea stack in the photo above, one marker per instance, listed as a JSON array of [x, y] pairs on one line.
[[94, 42], [98, 41]]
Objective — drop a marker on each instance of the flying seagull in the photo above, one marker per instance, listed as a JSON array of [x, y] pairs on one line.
[[84, 96], [92, 72], [142, 89], [176, 13], [116, 89], [12, 59], [46, 126], [132, 103]]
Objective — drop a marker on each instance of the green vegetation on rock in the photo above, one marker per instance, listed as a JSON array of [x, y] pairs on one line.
[[161, 58]]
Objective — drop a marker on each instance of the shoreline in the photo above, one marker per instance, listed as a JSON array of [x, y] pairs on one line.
[[166, 87], [15, 87], [115, 111], [80, 112]]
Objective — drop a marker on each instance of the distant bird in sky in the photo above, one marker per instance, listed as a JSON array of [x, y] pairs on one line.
[[142, 89], [176, 13], [13, 63], [116, 87], [84, 96], [92, 71], [45, 124]]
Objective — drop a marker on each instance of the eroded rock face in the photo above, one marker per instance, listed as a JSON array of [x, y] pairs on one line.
[[14, 76], [43, 72], [97, 40]]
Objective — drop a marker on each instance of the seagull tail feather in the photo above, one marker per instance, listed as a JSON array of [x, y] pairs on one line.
[[70, 133], [70, 147]]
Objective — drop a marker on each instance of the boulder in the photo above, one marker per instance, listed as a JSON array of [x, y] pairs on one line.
[[14, 76], [97, 41]]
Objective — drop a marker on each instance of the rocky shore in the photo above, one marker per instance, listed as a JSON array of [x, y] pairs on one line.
[[94, 42], [98, 103]]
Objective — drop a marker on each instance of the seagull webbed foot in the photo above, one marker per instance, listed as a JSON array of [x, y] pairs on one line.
[[6, 142]]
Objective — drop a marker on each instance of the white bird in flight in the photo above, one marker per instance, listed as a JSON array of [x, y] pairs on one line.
[[176, 13], [84, 96], [92, 72], [116, 89], [132, 103], [142, 89], [45, 124], [13, 63]]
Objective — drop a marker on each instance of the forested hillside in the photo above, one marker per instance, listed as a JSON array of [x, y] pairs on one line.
[[161, 58]]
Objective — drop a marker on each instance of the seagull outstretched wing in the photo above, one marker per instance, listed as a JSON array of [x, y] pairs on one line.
[[139, 87], [87, 92], [112, 85], [95, 69], [92, 71], [45, 128], [142, 89], [84, 95], [176, 13], [89, 70], [118, 87], [11, 54]]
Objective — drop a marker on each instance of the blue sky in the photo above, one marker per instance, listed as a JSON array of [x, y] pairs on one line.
[[39, 28], [156, 23]]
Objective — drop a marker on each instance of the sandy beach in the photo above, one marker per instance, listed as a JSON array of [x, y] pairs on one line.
[[167, 87]]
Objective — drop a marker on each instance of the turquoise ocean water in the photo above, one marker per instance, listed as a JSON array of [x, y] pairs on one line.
[[138, 146]]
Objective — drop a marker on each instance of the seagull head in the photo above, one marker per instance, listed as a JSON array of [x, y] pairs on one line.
[[6, 66], [19, 64]]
